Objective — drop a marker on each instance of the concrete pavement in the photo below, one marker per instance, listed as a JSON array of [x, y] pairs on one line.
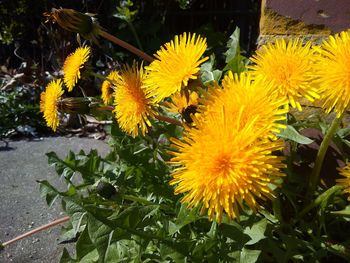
[[21, 207]]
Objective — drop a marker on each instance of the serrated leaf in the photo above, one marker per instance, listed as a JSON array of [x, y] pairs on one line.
[[184, 217], [48, 192], [249, 256], [76, 214], [290, 133], [99, 234], [256, 232], [234, 232], [234, 59], [208, 74], [233, 46]]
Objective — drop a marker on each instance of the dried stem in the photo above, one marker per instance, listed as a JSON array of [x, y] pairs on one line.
[[36, 230]]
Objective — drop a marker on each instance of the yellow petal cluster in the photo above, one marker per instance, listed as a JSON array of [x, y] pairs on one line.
[[333, 72], [249, 99], [228, 160], [176, 63], [48, 103], [107, 87], [133, 105], [289, 66], [72, 65]]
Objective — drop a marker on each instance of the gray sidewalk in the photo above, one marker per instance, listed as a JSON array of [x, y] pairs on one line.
[[21, 207]]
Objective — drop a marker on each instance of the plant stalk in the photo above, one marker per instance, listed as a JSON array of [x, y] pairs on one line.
[[133, 30], [315, 175], [36, 230], [169, 120], [126, 45]]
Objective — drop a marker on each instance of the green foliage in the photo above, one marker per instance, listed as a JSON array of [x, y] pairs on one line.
[[143, 221], [20, 113], [122, 207]]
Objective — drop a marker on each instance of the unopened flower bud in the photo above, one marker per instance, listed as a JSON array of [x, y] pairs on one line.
[[84, 24]]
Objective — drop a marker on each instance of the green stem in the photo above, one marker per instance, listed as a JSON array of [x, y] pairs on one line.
[[132, 28], [315, 175], [325, 195]]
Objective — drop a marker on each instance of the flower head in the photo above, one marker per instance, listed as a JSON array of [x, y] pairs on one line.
[[288, 65], [48, 103], [333, 72], [176, 63], [133, 105], [345, 171], [248, 99], [107, 87], [72, 65], [228, 159], [221, 164]]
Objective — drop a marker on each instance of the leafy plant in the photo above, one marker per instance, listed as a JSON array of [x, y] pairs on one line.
[[123, 208]]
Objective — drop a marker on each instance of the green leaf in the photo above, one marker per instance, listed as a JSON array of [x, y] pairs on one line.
[[290, 133], [184, 217], [249, 256], [99, 235], [208, 74], [66, 258], [48, 192], [343, 132], [234, 59], [235, 232], [84, 245], [256, 232], [76, 214], [344, 212], [233, 46]]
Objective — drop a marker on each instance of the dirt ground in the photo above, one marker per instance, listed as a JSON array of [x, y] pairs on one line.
[[21, 207]]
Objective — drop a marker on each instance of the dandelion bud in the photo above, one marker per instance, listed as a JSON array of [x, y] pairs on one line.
[[75, 105], [73, 21]]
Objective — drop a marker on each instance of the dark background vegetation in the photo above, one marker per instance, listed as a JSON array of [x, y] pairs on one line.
[[32, 52]]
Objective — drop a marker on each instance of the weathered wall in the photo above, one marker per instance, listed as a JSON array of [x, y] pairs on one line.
[[313, 19]]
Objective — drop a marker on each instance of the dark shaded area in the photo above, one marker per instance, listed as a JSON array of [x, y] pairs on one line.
[[32, 52], [24, 36]]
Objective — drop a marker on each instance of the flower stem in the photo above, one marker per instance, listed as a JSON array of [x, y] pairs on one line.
[[315, 175], [36, 230], [126, 45], [169, 120], [132, 28], [331, 191]]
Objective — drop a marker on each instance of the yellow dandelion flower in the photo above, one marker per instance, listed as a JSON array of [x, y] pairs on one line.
[[133, 105], [248, 99], [107, 87], [333, 72], [176, 63], [345, 171], [289, 66], [222, 165], [48, 103], [179, 102], [72, 65]]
